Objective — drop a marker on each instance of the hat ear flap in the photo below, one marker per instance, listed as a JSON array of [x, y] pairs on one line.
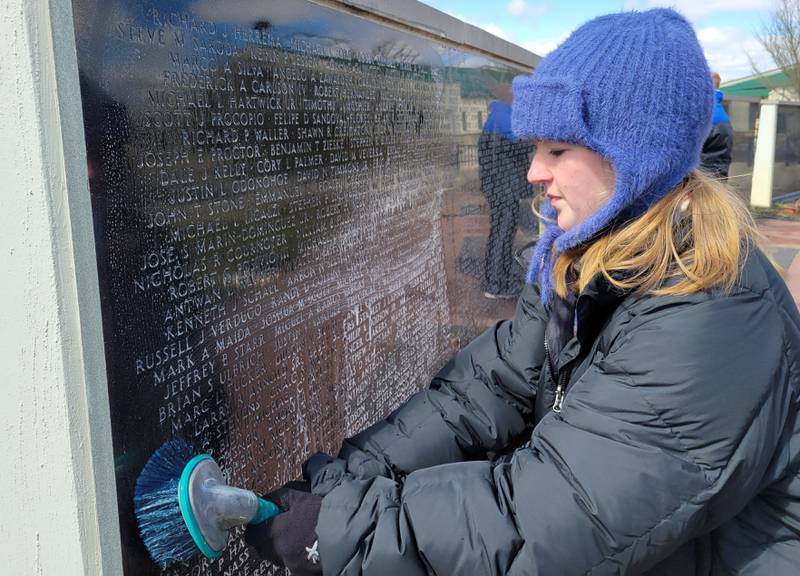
[[549, 110]]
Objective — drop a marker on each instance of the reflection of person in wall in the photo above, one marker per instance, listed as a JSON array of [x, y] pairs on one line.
[[503, 161], [640, 415], [718, 146]]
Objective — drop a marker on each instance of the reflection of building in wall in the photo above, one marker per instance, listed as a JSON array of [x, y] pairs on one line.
[[473, 114], [475, 91]]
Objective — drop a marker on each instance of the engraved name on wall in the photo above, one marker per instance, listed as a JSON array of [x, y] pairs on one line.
[[268, 202]]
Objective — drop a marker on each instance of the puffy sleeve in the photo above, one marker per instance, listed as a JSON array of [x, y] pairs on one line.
[[481, 401], [664, 437]]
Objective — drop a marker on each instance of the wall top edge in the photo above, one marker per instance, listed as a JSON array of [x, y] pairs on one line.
[[423, 19]]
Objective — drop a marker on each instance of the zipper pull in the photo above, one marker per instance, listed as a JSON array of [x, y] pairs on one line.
[[559, 399]]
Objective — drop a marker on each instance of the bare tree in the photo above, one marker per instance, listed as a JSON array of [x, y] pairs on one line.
[[780, 36]]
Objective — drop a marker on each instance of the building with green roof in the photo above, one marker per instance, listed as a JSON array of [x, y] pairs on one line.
[[772, 84]]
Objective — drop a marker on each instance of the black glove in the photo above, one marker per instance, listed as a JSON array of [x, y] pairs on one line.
[[289, 539], [313, 465]]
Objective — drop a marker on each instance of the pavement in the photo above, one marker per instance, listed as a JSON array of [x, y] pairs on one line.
[[783, 242]]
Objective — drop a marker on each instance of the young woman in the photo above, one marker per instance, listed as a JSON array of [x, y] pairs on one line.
[[646, 392]]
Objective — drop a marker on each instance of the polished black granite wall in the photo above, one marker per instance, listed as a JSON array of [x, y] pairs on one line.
[[290, 228]]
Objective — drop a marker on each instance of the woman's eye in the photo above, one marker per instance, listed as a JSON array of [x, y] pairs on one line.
[[558, 152]]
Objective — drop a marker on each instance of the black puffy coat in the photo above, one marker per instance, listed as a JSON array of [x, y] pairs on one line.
[[676, 450], [717, 152]]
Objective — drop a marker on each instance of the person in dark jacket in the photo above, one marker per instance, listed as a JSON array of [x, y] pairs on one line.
[[718, 147], [502, 163], [639, 414]]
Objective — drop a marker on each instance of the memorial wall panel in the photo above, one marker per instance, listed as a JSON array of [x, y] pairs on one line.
[[292, 207]]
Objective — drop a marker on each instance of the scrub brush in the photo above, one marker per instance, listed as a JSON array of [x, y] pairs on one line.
[[183, 505]]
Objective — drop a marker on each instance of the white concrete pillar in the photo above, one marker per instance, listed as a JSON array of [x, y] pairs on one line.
[[57, 487], [764, 161]]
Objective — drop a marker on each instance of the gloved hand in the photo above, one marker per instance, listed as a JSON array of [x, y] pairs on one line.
[[289, 539]]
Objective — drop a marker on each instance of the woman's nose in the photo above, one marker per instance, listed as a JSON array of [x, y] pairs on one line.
[[538, 173]]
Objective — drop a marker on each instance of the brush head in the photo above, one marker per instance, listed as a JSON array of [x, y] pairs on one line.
[[156, 505], [202, 495], [183, 505]]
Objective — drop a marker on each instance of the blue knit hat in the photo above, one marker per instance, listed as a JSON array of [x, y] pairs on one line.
[[635, 88]]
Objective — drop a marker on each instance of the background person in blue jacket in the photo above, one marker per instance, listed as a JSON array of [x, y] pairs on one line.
[[718, 146], [654, 353]]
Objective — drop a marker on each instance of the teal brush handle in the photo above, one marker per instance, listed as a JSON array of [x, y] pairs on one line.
[[266, 510], [211, 508]]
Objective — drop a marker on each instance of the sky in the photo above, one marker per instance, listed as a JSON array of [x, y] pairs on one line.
[[726, 28]]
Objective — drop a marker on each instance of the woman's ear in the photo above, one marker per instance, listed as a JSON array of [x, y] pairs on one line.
[[686, 201]]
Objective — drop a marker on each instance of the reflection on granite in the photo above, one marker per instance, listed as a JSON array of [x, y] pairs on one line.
[[287, 241]]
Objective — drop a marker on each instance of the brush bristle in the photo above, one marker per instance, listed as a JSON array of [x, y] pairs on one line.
[[158, 512]]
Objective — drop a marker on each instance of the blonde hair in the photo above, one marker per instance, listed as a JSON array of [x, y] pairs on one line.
[[690, 240]]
